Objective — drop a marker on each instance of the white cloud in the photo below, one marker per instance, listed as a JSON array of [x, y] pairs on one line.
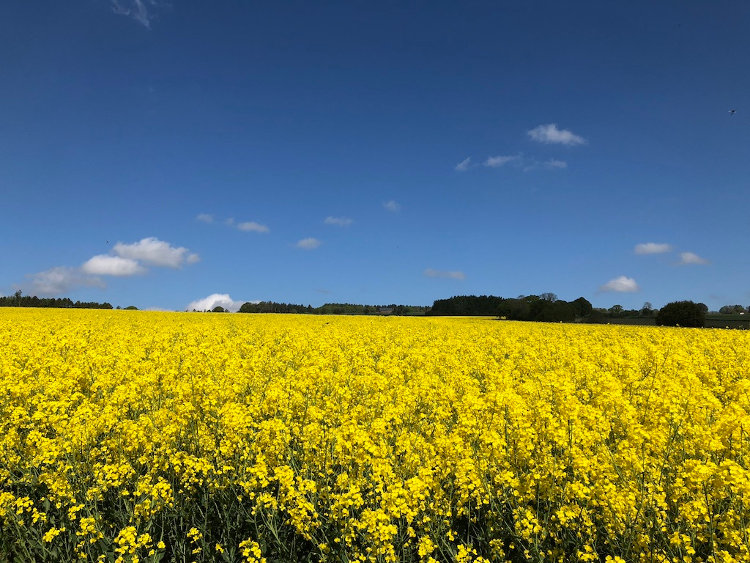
[[550, 134], [136, 9], [247, 226], [688, 258], [156, 252], [464, 165], [60, 280], [308, 243], [653, 248], [253, 226], [622, 284], [106, 265], [340, 221], [392, 206], [216, 300], [554, 163], [498, 161], [457, 275]]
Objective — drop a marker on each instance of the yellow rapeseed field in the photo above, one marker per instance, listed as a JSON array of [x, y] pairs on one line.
[[144, 436]]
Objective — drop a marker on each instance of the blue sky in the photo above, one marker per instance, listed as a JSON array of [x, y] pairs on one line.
[[161, 155]]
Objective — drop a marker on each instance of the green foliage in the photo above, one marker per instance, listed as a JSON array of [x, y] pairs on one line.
[[547, 308], [681, 313], [467, 305], [332, 309], [731, 309], [616, 310], [514, 309], [20, 300], [581, 307]]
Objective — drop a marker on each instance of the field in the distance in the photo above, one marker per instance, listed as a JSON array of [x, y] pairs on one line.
[[136, 436]]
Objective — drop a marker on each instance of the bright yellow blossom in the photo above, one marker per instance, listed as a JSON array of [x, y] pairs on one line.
[[370, 439]]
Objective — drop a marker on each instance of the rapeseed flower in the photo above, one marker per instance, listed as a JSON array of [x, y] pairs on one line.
[[192, 437]]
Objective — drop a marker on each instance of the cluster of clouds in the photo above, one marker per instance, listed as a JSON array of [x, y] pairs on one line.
[[547, 134], [308, 243], [625, 284], [686, 258], [123, 261]]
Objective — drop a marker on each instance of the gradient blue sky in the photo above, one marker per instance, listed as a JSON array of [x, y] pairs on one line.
[[156, 154]]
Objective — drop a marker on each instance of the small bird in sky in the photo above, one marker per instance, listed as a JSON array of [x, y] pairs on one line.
[[732, 111]]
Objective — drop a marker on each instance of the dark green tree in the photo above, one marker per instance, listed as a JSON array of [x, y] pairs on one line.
[[731, 309], [559, 311], [581, 307], [681, 313], [514, 310], [616, 310]]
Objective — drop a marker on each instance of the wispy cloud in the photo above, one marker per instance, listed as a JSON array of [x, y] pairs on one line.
[[246, 226], [623, 284], [139, 10], [216, 300], [456, 275], [690, 258], [340, 221], [309, 243], [464, 165], [60, 280], [498, 161], [392, 206], [653, 248], [553, 163], [518, 160], [156, 252], [253, 226], [550, 134], [106, 265]]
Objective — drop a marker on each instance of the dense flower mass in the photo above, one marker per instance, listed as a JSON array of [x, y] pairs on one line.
[[143, 436]]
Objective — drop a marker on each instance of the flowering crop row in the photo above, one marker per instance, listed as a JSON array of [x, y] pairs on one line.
[[144, 436]]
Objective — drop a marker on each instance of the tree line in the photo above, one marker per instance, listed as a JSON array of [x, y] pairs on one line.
[[542, 308], [329, 309], [20, 300], [545, 307]]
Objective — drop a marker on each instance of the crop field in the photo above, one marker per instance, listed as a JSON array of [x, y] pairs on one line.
[[144, 436]]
